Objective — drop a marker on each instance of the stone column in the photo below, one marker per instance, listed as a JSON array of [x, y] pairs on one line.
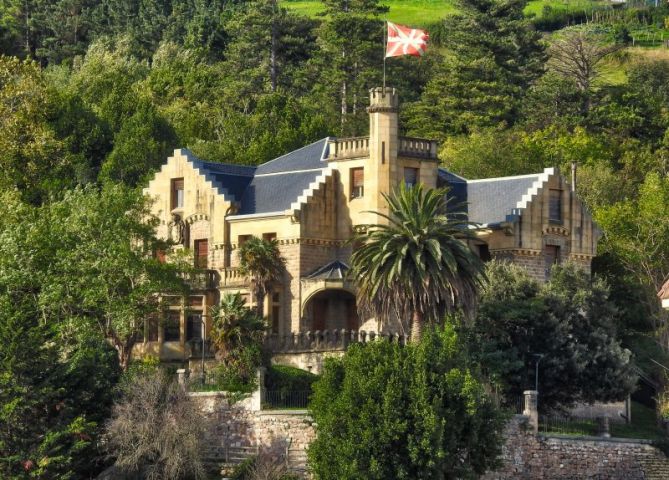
[[531, 411], [182, 377], [258, 397]]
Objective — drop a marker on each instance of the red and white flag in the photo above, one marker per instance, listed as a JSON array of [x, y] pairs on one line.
[[405, 41]]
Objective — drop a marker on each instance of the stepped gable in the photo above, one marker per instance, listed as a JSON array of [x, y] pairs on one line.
[[271, 187], [277, 184], [491, 201]]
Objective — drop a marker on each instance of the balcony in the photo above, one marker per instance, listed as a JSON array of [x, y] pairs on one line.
[[354, 147], [417, 148], [201, 279], [325, 340]]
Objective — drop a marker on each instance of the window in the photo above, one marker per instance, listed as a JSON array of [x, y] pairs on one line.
[[275, 312], [201, 248], [177, 193], [555, 206], [269, 236], [357, 182], [194, 326], [151, 330], [160, 256], [484, 253], [410, 176], [195, 301], [551, 257], [173, 327], [242, 239]]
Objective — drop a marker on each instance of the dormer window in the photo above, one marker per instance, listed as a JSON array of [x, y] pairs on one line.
[[357, 182], [177, 193], [555, 206]]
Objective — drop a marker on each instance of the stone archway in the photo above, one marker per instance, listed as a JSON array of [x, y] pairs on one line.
[[330, 309]]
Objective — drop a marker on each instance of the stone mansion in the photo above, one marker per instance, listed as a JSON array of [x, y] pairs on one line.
[[311, 201]]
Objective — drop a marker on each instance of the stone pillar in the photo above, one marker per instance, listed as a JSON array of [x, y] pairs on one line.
[[603, 427], [182, 377], [258, 397], [531, 411]]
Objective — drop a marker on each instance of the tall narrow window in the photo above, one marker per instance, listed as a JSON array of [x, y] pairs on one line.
[[357, 182], [201, 253], [172, 327], [276, 311], [551, 257], [177, 193], [410, 176], [555, 206], [194, 327]]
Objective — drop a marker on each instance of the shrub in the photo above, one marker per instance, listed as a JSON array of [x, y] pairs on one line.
[[289, 379], [154, 431], [415, 412]]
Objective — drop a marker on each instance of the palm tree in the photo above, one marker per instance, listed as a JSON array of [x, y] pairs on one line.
[[261, 263], [417, 266], [234, 327]]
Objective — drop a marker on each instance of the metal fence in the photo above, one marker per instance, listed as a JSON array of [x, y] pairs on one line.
[[277, 399], [567, 425]]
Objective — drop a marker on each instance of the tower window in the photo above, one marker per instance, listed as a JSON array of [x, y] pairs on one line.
[[177, 193], [555, 206], [357, 182], [201, 253]]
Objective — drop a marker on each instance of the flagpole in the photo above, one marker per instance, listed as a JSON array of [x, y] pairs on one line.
[[385, 47]]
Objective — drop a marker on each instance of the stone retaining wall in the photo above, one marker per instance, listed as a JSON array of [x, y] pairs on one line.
[[530, 456], [234, 424]]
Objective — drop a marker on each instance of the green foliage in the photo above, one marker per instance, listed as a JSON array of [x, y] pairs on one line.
[[494, 57], [571, 321], [261, 262], [289, 379], [386, 411], [417, 265], [237, 333]]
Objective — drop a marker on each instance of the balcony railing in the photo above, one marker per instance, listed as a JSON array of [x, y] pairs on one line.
[[325, 340], [417, 147], [354, 147], [232, 276], [201, 279]]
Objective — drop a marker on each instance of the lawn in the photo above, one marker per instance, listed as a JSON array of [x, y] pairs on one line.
[[423, 12]]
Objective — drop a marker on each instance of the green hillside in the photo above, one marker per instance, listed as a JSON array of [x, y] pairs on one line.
[[422, 12]]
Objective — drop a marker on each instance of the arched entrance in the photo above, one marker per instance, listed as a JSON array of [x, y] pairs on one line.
[[331, 309]]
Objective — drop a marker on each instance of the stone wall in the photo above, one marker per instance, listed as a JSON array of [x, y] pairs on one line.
[[529, 456], [240, 423]]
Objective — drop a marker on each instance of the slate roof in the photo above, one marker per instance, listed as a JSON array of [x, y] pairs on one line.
[[272, 186], [489, 201], [332, 271]]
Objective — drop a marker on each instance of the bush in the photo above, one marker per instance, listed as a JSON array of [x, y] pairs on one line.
[[415, 412], [289, 379], [154, 431]]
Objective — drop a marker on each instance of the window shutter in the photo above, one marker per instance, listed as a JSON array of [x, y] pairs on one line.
[[358, 177]]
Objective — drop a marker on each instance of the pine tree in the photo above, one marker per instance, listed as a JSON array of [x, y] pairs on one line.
[[495, 55], [350, 61]]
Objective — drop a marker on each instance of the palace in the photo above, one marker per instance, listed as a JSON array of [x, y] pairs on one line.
[[311, 201]]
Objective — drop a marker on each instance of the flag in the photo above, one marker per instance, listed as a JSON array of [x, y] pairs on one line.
[[405, 41]]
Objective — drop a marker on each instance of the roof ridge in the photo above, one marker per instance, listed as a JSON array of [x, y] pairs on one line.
[[296, 150], [510, 177]]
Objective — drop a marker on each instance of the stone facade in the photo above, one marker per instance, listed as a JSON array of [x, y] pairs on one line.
[[542, 222]]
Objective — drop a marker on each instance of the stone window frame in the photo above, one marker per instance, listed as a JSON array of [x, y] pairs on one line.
[[357, 175]]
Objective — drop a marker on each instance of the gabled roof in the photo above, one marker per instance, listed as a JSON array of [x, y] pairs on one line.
[[271, 187], [491, 201]]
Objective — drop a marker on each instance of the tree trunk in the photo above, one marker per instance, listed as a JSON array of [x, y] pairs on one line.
[[260, 300], [416, 326]]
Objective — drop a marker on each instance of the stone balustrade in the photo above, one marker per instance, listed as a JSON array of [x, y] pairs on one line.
[[326, 340], [417, 147], [231, 276], [201, 279], [353, 147]]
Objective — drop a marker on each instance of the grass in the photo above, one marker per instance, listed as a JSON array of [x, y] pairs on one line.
[[424, 12]]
